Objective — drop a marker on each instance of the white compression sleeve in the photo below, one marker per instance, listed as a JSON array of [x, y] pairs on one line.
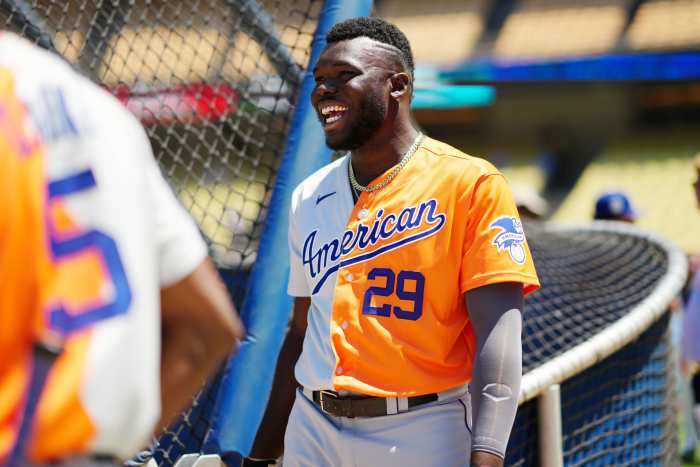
[[495, 384]]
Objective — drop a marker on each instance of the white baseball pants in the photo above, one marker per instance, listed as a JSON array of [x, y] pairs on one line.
[[435, 434]]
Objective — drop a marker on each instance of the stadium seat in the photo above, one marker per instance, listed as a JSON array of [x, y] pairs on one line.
[[541, 29], [665, 24], [655, 170], [441, 32]]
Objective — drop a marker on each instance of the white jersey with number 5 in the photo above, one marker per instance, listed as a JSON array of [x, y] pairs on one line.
[[112, 235]]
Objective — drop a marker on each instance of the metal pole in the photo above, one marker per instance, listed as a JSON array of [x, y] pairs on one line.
[[549, 425]]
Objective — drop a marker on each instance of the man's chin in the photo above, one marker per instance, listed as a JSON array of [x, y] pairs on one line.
[[351, 137], [344, 144]]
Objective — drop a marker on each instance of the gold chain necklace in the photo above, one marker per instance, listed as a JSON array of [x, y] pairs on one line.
[[397, 168]]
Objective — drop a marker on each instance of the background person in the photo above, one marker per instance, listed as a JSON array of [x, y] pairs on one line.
[[614, 206], [530, 204], [690, 342]]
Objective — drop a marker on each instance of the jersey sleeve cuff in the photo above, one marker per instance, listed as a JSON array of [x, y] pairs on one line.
[[529, 281], [178, 266], [298, 292], [489, 449]]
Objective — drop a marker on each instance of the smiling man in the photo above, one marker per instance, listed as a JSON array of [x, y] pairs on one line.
[[408, 267]]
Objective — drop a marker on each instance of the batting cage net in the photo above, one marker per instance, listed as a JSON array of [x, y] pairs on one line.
[[590, 279], [620, 410]]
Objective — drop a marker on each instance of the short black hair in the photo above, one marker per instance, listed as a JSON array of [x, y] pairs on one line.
[[376, 29]]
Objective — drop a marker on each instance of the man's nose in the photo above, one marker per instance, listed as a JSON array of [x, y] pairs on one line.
[[326, 87]]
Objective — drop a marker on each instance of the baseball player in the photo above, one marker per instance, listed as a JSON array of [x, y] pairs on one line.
[[111, 315], [408, 267]]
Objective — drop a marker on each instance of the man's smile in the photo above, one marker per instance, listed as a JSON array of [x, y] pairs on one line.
[[331, 113]]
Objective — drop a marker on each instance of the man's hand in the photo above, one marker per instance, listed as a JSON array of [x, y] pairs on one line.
[[688, 367]]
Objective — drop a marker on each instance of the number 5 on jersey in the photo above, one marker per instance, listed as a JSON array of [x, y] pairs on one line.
[[113, 297], [408, 286]]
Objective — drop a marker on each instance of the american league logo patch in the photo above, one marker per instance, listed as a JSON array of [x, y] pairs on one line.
[[510, 237]]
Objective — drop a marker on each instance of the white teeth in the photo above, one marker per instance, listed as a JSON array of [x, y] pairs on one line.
[[335, 118], [333, 108]]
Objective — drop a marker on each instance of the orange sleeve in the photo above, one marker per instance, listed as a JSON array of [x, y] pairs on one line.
[[495, 249], [23, 264]]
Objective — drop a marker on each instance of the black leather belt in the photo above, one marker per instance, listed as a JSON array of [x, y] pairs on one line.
[[93, 460], [104, 459], [362, 406]]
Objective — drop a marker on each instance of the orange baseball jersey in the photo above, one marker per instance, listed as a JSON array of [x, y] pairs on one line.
[[387, 275], [89, 232]]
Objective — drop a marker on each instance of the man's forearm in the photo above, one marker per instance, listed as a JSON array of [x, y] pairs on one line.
[[200, 328], [496, 384], [494, 311], [269, 442], [185, 369]]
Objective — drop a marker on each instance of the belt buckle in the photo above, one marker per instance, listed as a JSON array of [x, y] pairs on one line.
[[323, 394]]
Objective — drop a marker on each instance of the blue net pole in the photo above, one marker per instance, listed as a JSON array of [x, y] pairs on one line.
[[247, 379]]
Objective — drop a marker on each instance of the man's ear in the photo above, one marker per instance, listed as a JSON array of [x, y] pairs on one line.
[[400, 85]]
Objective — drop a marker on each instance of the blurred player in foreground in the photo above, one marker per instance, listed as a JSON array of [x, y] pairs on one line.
[[111, 315], [409, 265]]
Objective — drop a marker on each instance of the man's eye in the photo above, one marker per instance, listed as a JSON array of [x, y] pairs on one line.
[[347, 75]]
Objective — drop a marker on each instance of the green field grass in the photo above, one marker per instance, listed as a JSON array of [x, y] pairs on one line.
[[681, 437], [696, 461]]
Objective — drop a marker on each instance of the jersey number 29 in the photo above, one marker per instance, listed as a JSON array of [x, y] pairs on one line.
[[408, 286]]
